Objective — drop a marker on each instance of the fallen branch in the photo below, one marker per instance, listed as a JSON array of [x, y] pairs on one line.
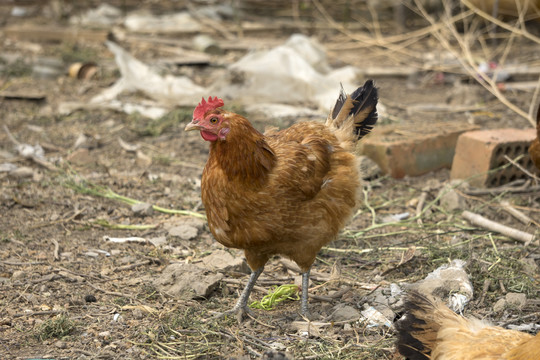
[[34, 313], [112, 293], [56, 250], [515, 234], [518, 186], [17, 263], [420, 206], [516, 213], [132, 266]]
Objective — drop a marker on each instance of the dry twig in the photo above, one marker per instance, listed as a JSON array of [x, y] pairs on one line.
[[56, 250], [515, 234], [516, 213]]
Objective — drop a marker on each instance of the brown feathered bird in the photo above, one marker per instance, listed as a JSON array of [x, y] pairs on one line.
[[534, 148], [430, 330], [285, 192]]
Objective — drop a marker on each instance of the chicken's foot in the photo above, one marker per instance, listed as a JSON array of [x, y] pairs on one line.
[[241, 308]]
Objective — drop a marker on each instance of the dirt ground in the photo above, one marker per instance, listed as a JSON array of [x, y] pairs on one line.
[[67, 293]]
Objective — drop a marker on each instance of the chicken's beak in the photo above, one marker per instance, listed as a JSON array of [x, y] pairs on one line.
[[192, 126]]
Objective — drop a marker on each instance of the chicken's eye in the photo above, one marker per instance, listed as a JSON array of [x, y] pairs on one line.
[[213, 120]]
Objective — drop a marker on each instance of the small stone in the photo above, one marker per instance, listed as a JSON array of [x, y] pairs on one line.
[[222, 260], [22, 172], [158, 241], [516, 300], [60, 344], [81, 156], [104, 334], [90, 298], [450, 199], [18, 275], [138, 314], [7, 167], [187, 281], [499, 306], [344, 313], [184, 232], [142, 209], [91, 254]]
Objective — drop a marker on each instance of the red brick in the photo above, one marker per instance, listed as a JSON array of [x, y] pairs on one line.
[[413, 149], [478, 152]]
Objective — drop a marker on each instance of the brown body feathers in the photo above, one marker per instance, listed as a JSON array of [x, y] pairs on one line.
[[430, 330]]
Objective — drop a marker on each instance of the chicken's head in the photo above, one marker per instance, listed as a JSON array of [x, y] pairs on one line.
[[210, 120]]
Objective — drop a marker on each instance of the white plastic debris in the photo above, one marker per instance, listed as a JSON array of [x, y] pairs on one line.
[[374, 318], [146, 22], [283, 110], [449, 280], [104, 15], [457, 302], [293, 79], [124, 240], [29, 151], [395, 290], [7, 167], [530, 327], [292, 73], [395, 217], [104, 252], [166, 90]]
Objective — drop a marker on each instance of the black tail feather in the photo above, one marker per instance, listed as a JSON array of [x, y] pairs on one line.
[[365, 98], [339, 103], [409, 324]]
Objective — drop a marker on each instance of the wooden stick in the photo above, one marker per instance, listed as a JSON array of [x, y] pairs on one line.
[[56, 250], [420, 206], [515, 234], [516, 213], [132, 266]]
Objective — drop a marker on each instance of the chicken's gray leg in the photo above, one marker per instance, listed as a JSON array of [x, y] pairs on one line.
[[241, 305], [244, 297], [305, 286]]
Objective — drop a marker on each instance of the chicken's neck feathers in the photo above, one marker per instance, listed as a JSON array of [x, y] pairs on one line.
[[244, 156]]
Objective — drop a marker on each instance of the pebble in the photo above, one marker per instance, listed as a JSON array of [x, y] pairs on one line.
[[158, 241], [60, 344], [345, 312], [142, 209], [517, 300], [18, 275], [184, 232], [90, 298], [22, 173]]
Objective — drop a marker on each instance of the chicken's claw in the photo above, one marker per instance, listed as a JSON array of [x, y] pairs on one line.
[[239, 311], [241, 308]]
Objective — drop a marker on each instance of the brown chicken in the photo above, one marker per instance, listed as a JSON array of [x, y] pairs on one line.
[[430, 330], [285, 192], [534, 149]]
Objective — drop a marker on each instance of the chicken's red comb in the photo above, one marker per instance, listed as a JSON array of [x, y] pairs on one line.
[[204, 106]]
